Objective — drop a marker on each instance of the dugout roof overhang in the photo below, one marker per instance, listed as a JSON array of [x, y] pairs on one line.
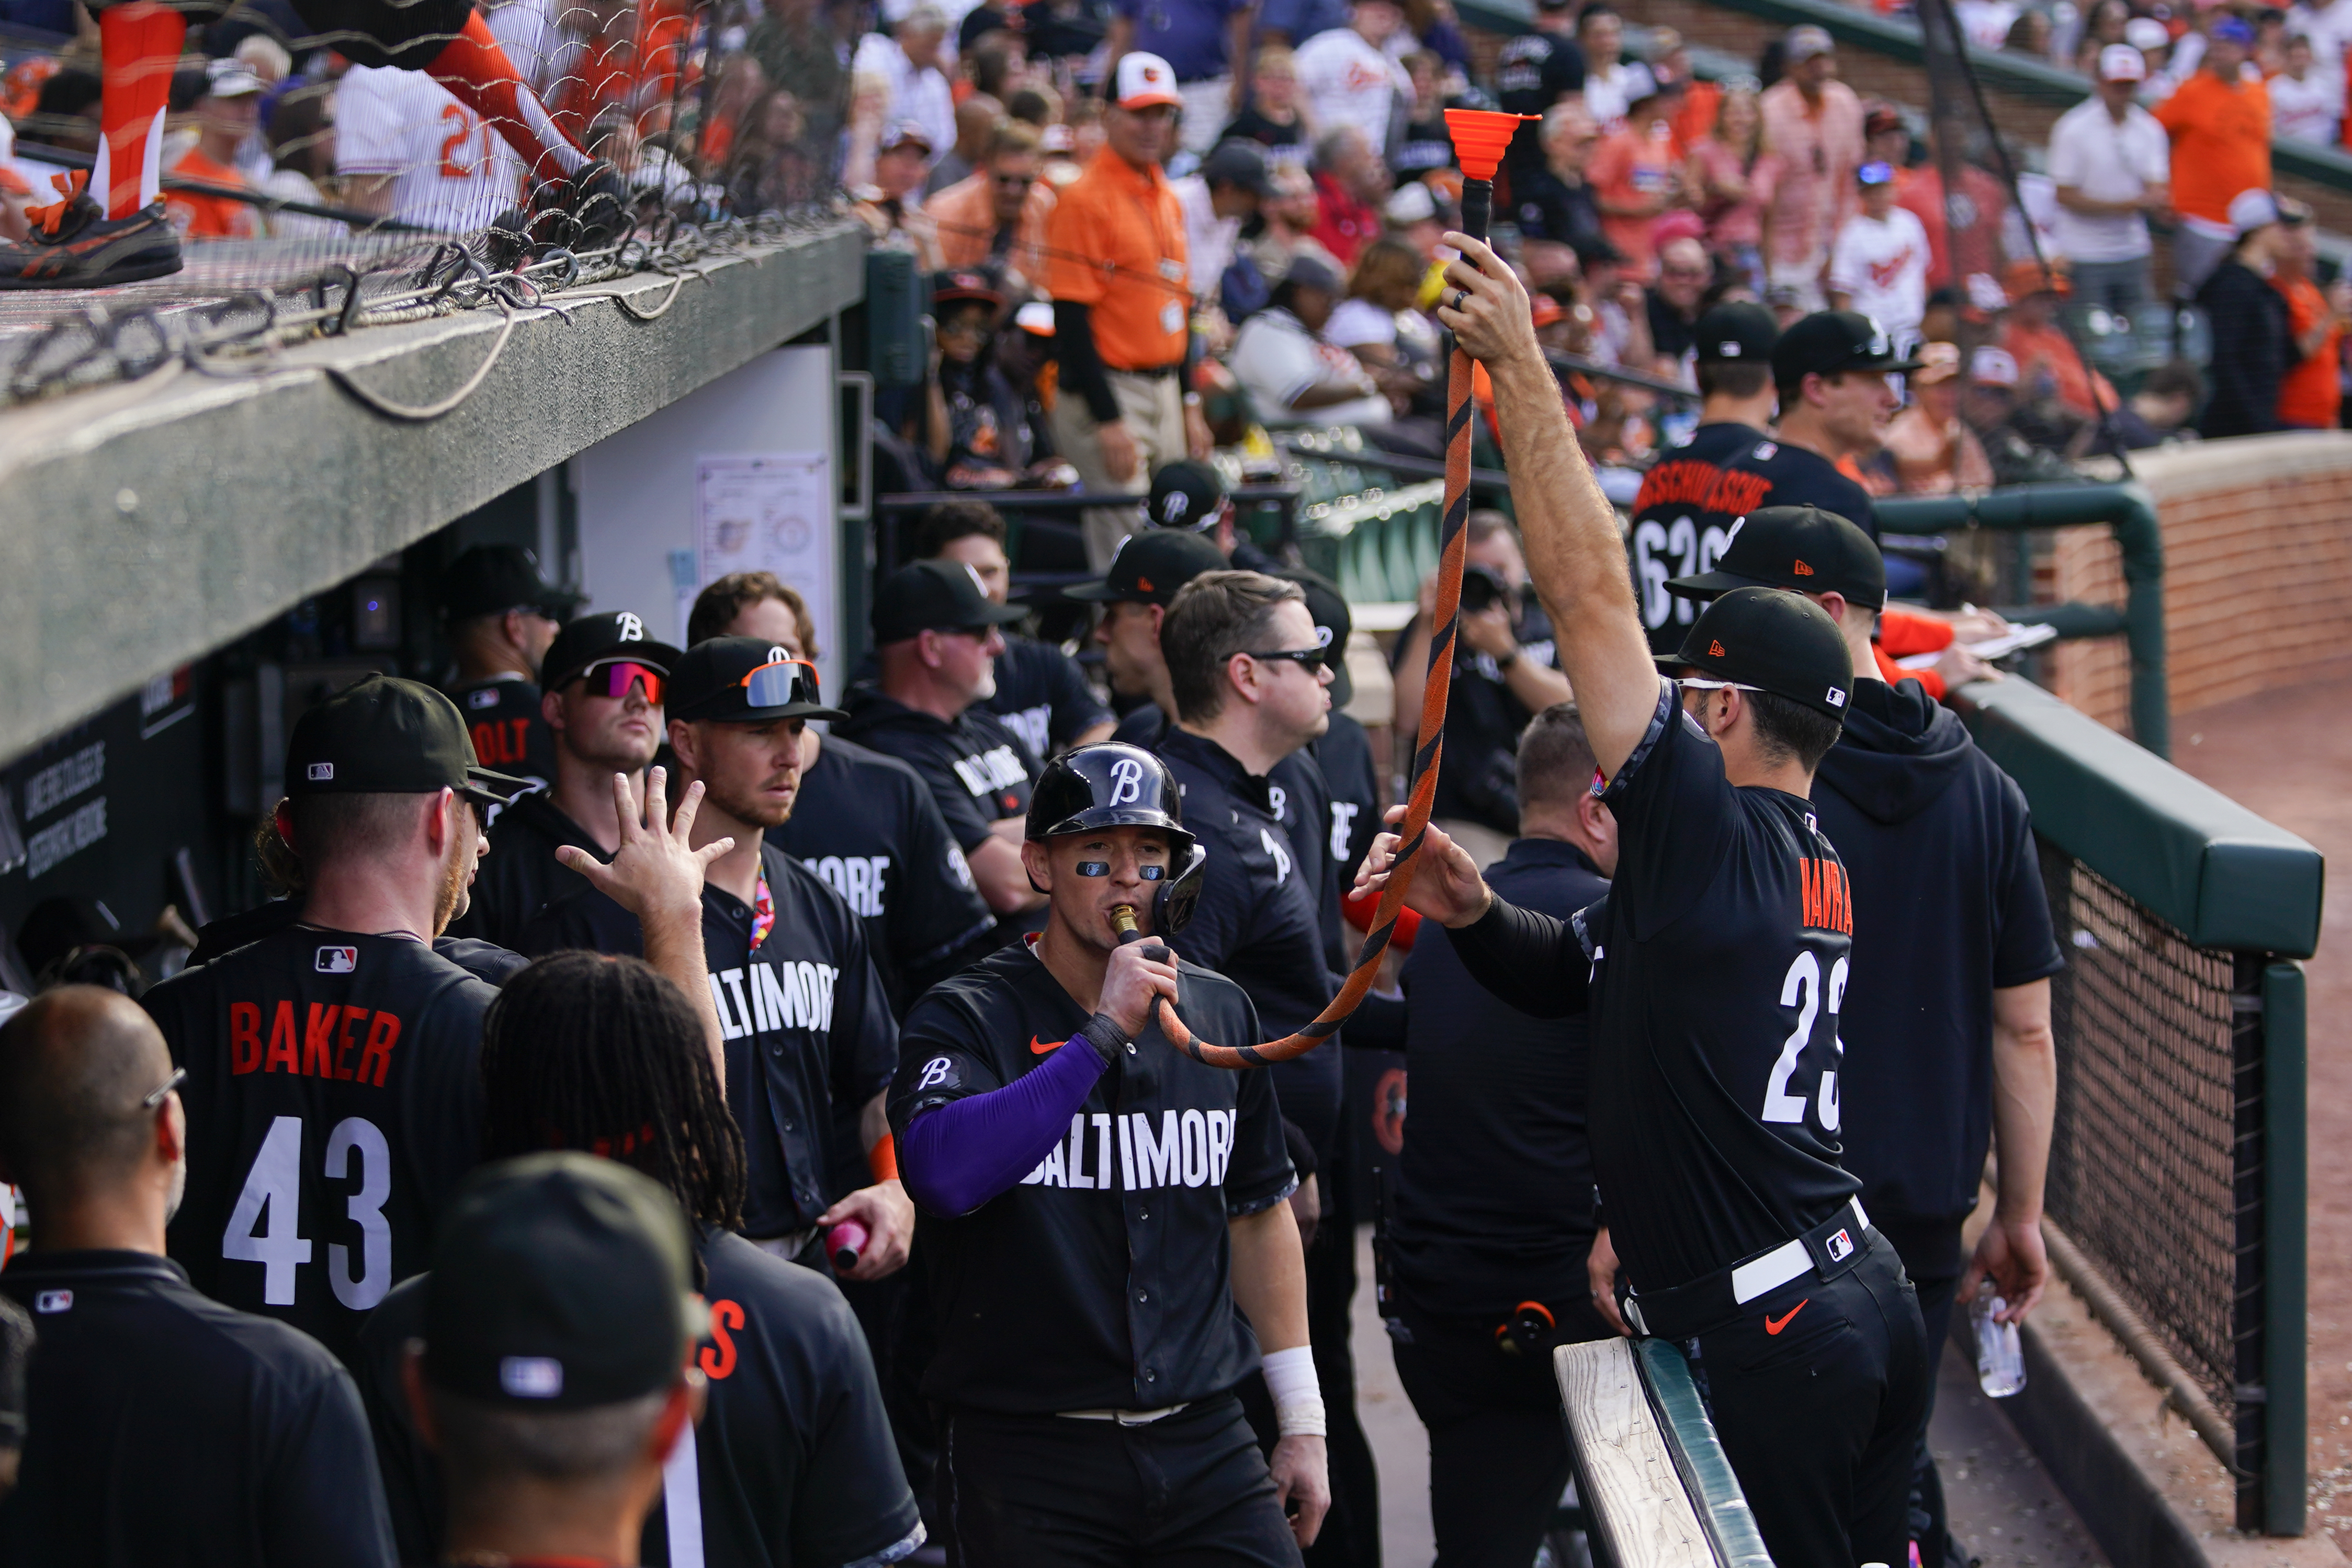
[[146, 524]]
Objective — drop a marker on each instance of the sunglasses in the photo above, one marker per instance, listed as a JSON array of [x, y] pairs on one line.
[[1305, 658], [614, 680], [782, 683]]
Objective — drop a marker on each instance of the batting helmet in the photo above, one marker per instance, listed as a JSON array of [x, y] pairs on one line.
[[1110, 785]]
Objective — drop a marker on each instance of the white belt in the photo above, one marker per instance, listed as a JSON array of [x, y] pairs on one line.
[[1782, 1264], [1124, 1418]]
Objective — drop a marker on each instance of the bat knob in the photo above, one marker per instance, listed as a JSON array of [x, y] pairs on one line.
[[1122, 918]]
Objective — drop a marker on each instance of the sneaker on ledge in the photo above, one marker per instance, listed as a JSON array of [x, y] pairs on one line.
[[74, 244]]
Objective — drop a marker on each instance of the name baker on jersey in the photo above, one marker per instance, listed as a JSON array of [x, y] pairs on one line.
[[324, 1048], [795, 994], [1189, 1148]]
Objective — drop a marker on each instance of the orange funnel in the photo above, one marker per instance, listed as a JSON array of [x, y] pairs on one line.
[[1479, 136]]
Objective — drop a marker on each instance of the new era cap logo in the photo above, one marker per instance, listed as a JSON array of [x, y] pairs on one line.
[[1714, 650], [53, 1301], [1840, 1245], [336, 960], [1837, 698], [535, 1376], [321, 771], [1801, 569], [486, 697]]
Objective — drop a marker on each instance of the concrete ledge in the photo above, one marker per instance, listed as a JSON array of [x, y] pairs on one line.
[[145, 523]]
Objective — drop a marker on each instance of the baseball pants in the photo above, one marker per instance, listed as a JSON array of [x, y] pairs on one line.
[[1498, 1451], [1188, 1491], [1818, 1389], [1931, 1254], [1152, 409]]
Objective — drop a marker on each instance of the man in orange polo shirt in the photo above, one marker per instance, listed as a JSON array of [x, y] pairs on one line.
[[2219, 122], [226, 115], [2047, 363], [1117, 269], [2310, 393]]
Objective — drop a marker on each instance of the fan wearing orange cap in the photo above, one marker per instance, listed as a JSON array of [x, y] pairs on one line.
[[2040, 347]]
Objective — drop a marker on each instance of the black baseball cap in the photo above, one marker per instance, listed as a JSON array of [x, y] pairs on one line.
[[743, 680], [384, 735], [1185, 495], [560, 1281], [1236, 162], [935, 596], [1151, 567], [490, 579], [606, 637], [1830, 341], [1737, 333], [1803, 548], [1328, 606], [1771, 640]]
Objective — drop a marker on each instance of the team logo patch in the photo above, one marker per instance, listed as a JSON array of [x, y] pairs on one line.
[[1837, 698], [486, 697], [1840, 1246], [53, 1301], [336, 960], [631, 629], [1172, 508], [938, 1072], [319, 772], [1126, 781], [532, 1377]]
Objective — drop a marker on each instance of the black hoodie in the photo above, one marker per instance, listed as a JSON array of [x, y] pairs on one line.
[[1948, 907]]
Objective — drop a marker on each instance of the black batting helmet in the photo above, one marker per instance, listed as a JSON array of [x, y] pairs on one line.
[[1111, 785]]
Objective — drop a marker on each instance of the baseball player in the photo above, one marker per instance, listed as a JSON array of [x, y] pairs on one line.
[[501, 617], [332, 1097], [1095, 1206], [807, 1028], [792, 1461], [1714, 973], [603, 709]]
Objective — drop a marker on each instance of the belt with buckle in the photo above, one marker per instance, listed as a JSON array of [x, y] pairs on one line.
[[1124, 1418], [1829, 1250], [1150, 372]]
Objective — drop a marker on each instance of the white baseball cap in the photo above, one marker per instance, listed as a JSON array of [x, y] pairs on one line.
[[2253, 209], [1993, 367], [1412, 203], [1144, 80], [2121, 62], [2145, 33]]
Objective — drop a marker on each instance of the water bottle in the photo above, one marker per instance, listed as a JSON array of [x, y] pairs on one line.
[[2000, 1360]]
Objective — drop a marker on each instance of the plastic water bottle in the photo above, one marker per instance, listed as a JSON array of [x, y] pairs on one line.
[[2001, 1359]]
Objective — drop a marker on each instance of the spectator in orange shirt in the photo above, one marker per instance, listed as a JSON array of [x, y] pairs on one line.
[[997, 217], [2310, 393], [1982, 204], [1635, 177], [225, 116], [2219, 122], [2047, 364]]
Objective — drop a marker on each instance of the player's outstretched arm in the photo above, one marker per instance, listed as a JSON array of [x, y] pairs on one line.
[[657, 876], [1446, 887], [1574, 551]]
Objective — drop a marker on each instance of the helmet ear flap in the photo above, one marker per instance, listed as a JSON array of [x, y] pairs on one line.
[[1173, 901]]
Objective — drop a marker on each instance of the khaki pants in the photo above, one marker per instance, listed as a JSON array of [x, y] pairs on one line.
[[1152, 409], [1208, 105]]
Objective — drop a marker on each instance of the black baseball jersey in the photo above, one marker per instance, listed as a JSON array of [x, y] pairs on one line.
[[1103, 1280], [509, 732], [1261, 918], [979, 770], [1494, 1197], [1692, 498], [1299, 788], [1042, 696], [163, 1429], [1718, 969], [1344, 758], [521, 875], [485, 961], [1534, 71], [867, 824], [807, 1026], [1484, 720], [334, 1103], [1939, 844], [792, 1458]]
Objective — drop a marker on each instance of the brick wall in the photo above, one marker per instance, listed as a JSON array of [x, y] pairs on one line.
[[2257, 574]]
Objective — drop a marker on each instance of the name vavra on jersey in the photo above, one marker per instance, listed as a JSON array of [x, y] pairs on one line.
[[760, 995], [859, 879], [1187, 1148], [991, 770]]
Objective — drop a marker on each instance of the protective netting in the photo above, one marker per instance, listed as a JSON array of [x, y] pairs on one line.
[[313, 195], [2142, 1160]]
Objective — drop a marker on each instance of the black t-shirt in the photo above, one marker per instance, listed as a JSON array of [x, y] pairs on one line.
[[1300, 790], [1939, 845], [334, 1103], [1493, 1200], [163, 1429], [1283, 144], [1344, 756], [1484, 720], [1718, 969], [808, 1029], [1103, 1280], [1534, 71], [509, 732], [1042, 697], [1674, 334], [1694, 495], [867, 824], [794, 1455], [1547, 207], [1268, 911], [980, 771], [521, 875], [1425, 147]]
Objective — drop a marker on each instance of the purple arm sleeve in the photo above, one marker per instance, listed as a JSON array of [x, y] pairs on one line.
[[957, 1156]]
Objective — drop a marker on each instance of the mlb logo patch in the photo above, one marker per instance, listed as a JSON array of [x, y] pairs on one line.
[[337, 960], [321, 771], [532, 1377], [1837, 698], [486, 697], [53, 1301], [1841, 1247]]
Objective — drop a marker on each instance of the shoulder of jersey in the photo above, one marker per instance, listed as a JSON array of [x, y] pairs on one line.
[[809, 1301], [851, 755], [281, 1350], [790, 868]]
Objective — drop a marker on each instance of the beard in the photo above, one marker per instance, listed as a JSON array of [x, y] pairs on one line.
[[453, 898], [752, 809]]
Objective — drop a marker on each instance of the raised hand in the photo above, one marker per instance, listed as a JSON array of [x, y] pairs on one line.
[[1446, 886], [655, 872]]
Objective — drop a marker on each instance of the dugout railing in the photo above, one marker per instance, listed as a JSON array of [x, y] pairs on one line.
[[2177, 1160]]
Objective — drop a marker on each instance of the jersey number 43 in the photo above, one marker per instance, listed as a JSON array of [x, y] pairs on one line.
[[1803, 989], [274, 1188]]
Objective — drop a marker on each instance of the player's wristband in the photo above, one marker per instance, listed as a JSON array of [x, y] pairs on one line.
[[1297, 1395], [1105, 1035], [882, 1159]]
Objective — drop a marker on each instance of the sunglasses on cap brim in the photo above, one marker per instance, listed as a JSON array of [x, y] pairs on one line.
[[614, 679], [1704, 684], [781, 684]]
